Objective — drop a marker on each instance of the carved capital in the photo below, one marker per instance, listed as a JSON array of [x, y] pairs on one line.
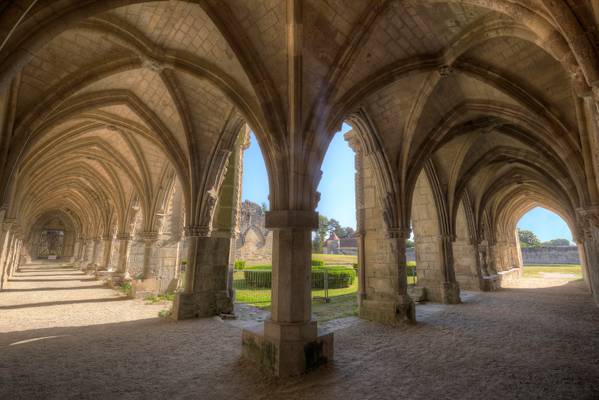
[[123, 236], [398, 233], [588, 218], [198, 231], [9, 223], [149, 236]]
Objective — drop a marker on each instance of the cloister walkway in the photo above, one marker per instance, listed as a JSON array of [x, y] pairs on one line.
[[63, 336]]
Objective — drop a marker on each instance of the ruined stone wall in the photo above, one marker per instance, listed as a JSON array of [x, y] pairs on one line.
[[551, 255], [254, 244]]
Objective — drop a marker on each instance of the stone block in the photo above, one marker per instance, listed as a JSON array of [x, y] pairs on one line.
[[287, 354], [417, 293], [389, 312], [202, 304]]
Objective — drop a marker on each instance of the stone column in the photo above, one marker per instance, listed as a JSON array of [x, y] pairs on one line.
[[206, 288], [354, 143], [450, 290], [120, 273], [584, 266], [149, 239], [95, 252], [289, 343], [106, 250], [5, 236], [589, 221], [6, 239]]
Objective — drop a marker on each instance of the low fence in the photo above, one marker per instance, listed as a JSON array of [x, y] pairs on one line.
[[254, 286]]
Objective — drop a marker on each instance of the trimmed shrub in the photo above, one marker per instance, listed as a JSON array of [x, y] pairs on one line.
[[338, 277], [355, 266], [240, 264], [411, 270], [260, 277], [317, 263]]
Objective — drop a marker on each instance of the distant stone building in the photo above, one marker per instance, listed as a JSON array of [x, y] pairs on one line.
[[254, 244], [334, 245]]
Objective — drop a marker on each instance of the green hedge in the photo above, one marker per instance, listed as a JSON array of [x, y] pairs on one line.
[[317, 263], [260, 277], [240, 264], [411, 270]]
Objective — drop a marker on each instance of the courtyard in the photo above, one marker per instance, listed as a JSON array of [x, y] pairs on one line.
[[64, 336]]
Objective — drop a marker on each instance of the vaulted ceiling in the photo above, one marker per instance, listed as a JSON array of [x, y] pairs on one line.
[[104, 101]]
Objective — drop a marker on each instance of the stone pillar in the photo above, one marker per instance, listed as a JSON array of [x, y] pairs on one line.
[[584, 266], [206, 288], [386, 283], [106, 250], [589, 221], [5, 236], [120, 273], [450, 289], [289, 342], [354, 143], [149, 239], [95, 252]]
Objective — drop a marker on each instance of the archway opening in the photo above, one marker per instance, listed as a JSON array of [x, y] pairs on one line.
[[337, 242], [252, 253], [547, 249]]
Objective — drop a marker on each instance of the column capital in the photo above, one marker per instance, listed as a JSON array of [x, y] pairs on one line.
[[398, 233], [148, 236], [106, 237], [9, 223], [123, 236], [291, 219], [197, 231], [588, 217]]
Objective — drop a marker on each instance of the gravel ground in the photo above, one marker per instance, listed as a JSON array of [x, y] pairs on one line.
[[62, 336]]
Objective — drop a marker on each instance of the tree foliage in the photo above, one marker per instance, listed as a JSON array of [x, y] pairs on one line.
[[560, 242], [325, 227], [528, 238]]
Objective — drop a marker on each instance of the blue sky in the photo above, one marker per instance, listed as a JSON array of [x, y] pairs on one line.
[[545, 224], [337, 199], [337, 190]]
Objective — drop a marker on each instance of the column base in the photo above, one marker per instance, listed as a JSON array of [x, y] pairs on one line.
[[116, 279], [202, 304], [396, 312], [144, 287], [102, 274], [287, 349], [450, 293]]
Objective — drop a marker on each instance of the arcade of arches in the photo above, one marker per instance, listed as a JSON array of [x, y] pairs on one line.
[[122, 124]]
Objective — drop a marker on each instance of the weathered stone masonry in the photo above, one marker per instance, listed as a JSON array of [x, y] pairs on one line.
[[466, 114]]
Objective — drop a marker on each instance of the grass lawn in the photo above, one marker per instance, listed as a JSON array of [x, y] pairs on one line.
[[545, 271], [336, 258], [343, 302]]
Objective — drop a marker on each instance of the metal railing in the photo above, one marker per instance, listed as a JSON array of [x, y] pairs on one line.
[[254, 286]]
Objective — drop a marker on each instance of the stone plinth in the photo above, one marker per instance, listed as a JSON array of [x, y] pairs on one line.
[[450, 293], [417, 293], [143, 287], [390, 312], [287, 349], [201, 304]]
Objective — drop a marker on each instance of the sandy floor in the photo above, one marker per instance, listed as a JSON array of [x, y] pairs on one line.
[[64, 337]]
